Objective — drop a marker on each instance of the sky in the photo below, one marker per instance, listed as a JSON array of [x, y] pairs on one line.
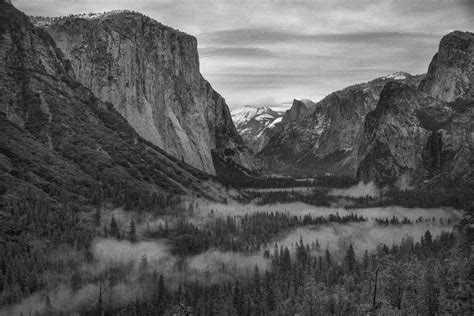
[[271, 52]]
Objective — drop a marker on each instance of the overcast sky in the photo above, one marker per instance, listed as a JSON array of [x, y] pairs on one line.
[[271, 52]]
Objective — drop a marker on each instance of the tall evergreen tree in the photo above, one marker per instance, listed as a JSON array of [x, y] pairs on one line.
[[132, 233], [114, 230]]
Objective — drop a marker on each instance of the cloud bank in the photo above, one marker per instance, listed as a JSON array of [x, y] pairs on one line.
[[256, 50]]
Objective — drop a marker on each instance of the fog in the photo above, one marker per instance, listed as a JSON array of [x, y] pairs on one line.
[[362, 236], [359, 190], [209, 210], [143, 221], [224, 265], [109, 251], [213, 265]]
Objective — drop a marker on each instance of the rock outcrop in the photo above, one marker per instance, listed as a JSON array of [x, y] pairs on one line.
[[256, 124], [451, 72], [426, 134], [58, 140], [150, 73], [323, 137]]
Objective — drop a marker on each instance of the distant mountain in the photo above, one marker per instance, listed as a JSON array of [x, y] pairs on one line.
[[150, 73], [323, 137], [256, 124]]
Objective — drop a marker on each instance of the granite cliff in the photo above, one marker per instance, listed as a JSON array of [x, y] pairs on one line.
[[426, 134], [60, 142], [150, 73]]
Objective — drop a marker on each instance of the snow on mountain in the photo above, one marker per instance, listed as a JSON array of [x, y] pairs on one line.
[[255, 124], [399, 75]]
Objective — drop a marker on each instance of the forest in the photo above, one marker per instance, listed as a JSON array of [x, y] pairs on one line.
[[176, 257]]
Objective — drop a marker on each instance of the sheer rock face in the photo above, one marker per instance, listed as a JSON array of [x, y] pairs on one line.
[[412, 136], [323, 137], [425, 134], [150, 73], [58, 138], [451, 72], [393, 136]]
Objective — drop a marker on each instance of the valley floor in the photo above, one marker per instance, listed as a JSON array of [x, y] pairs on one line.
[[238, 258]]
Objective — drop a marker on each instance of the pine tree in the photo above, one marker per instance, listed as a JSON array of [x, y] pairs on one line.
[[366, 261], [97, 216], [328, 258], [114, 231], [132, 234], [350, 260], [430, 291]]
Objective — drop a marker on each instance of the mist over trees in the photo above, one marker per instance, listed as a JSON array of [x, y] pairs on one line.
[[249, 263]]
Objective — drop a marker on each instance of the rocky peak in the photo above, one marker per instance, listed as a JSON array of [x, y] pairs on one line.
[[425, 134], [150, 73], [298, 110], [249, 112], [256, 124], [451, 72]]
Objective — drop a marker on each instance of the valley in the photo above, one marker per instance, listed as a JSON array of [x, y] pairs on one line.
[[157, 261], [128, 186]]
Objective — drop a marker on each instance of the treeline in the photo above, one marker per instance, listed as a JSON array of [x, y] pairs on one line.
[[233, 176], [430, 277], [315, 196], [247, 234], [455, 197]]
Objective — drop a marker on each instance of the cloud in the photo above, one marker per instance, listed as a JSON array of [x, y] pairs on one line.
[[295, 49], [272, 36], [251, 52]]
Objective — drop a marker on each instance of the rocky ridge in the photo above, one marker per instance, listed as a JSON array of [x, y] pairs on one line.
[[323, 137]]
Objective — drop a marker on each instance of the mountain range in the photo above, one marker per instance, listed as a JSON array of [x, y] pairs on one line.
[[390, 129], [322, 137], [70, 83]]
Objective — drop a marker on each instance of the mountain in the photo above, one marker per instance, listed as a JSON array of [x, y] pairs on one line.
[[426, 133], [150, 73], [451, 72], [323, 137], [256, 124], [62, 145]]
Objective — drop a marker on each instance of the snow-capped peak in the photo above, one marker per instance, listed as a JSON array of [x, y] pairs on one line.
[[399, 75], [248, 112], [254, 123]]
